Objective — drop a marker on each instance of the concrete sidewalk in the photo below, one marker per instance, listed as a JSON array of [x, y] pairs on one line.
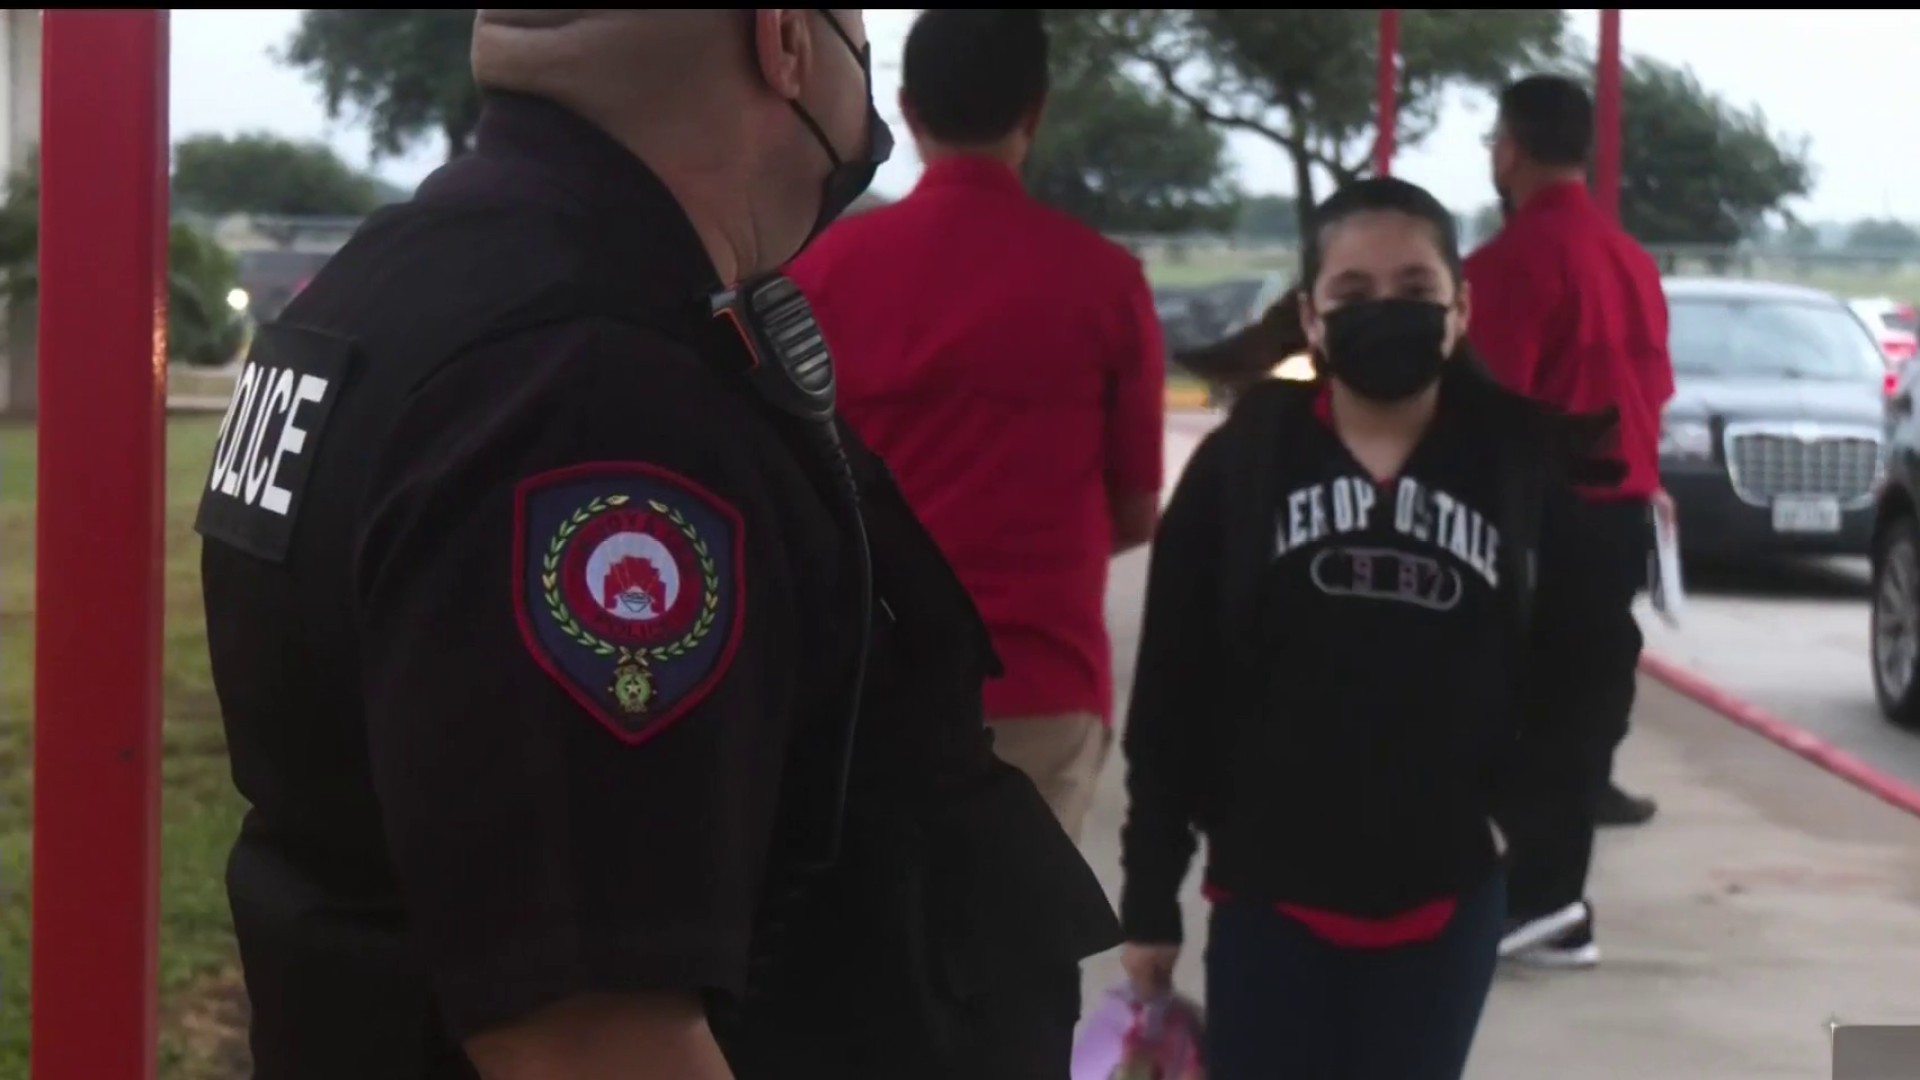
[[1766, 899]]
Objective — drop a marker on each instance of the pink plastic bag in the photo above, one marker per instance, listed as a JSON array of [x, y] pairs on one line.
[[1126, 1039]]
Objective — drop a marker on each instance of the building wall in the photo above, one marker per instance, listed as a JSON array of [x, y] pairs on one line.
[[19, 134]]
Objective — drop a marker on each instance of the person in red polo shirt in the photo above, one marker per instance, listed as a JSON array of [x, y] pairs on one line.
[[1569, 310], [1006, 362]]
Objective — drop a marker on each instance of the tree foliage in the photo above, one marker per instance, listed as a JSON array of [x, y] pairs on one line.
[[1270, 217], [1882, 236], [259, 173], [1119, 156], [203, 329], [403, 70], [1305, 79], [1694, 169]]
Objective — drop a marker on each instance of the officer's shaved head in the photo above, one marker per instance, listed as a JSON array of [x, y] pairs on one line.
[[598, 55], [707, 98], [531, 17]]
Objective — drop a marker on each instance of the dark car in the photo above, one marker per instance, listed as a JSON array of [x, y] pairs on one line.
[[1895, 637], [1772, 443], [1183, 323]]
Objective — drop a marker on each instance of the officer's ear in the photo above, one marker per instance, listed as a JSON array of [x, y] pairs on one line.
[[783, 48]]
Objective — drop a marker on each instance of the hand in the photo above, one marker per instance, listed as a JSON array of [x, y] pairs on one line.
[[1149, 967]]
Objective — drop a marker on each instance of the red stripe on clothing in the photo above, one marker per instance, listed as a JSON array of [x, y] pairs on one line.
[[1344, 931]]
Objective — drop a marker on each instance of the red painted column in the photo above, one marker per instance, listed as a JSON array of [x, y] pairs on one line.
[[1388, 88], [99, 588], [1606, 115]]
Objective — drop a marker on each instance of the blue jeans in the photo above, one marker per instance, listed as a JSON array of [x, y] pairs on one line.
[[1283, 1004]]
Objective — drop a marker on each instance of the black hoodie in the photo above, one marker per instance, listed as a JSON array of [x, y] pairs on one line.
[[1341, 681]]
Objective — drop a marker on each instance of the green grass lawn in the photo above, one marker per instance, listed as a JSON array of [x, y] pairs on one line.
[[200, 812]]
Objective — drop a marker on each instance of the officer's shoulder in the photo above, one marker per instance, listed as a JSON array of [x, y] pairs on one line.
[[601, 387], [635, 366]]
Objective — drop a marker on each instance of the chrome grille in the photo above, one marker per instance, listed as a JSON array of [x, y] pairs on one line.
[[1764, 465]]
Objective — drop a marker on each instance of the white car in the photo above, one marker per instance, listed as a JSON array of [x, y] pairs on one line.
[[1895, 326]]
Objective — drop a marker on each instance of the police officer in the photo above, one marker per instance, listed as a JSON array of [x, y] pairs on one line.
[[544, 593]]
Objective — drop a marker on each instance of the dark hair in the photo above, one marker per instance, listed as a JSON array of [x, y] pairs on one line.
[[1374, 194], [1550, 118], [973, 74]]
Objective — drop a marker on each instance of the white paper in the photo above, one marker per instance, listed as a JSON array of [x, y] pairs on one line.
[[1665, 589]]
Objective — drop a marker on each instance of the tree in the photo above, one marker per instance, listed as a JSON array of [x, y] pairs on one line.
[[404, 71], [1270, 217], [1882, 236], [1693, 168], [1119, 157], [202, 327], [1304, 79], [1797, 235], [264, 174]]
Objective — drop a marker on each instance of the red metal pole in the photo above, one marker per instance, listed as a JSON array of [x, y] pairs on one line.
[[1389, 91], [1606, 115], [97, 608]]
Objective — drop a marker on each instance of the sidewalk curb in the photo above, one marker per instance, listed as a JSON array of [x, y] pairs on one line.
[[1786, 735]]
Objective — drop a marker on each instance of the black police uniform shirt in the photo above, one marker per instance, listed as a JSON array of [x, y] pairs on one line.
[[1341, 732], [512, 649]]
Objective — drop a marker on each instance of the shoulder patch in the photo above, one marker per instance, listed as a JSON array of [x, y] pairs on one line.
[[631, 590]]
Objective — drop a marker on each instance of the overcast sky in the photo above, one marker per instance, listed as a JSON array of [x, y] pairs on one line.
[[1842, 78]]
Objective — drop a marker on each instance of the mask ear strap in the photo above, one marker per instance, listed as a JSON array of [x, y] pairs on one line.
[[819, 133], [865, 59], [845, 38]]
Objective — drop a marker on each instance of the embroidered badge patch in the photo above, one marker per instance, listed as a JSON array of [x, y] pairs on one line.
[[630, 593]]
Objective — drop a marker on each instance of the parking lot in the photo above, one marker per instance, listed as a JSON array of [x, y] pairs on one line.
[[1791, 636]]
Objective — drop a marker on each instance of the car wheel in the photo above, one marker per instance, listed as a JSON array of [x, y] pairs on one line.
[[1896, 623]]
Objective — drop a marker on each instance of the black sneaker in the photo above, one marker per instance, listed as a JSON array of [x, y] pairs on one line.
[[1618, 808], [1571, 948]]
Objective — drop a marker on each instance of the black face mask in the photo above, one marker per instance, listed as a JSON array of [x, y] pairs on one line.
[[1386, 350], [847, 180]]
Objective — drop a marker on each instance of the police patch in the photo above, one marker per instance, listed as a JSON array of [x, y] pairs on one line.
[[631, 590]]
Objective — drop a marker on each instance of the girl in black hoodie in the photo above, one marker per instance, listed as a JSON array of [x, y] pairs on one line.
[[1362, 671]]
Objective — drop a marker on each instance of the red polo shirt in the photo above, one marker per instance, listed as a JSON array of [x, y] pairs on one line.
[[1007, 363], [1568, 309]]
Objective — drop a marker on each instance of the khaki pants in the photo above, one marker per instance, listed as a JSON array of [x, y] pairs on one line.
[[1061, 754]]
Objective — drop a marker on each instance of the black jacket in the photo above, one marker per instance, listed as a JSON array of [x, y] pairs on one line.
[[481, 781], [1340, 682]]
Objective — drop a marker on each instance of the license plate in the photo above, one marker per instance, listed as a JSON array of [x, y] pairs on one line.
[[1806, 515]]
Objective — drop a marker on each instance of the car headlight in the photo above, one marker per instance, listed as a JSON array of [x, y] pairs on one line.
[[1295, 368], [1686, 439]]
